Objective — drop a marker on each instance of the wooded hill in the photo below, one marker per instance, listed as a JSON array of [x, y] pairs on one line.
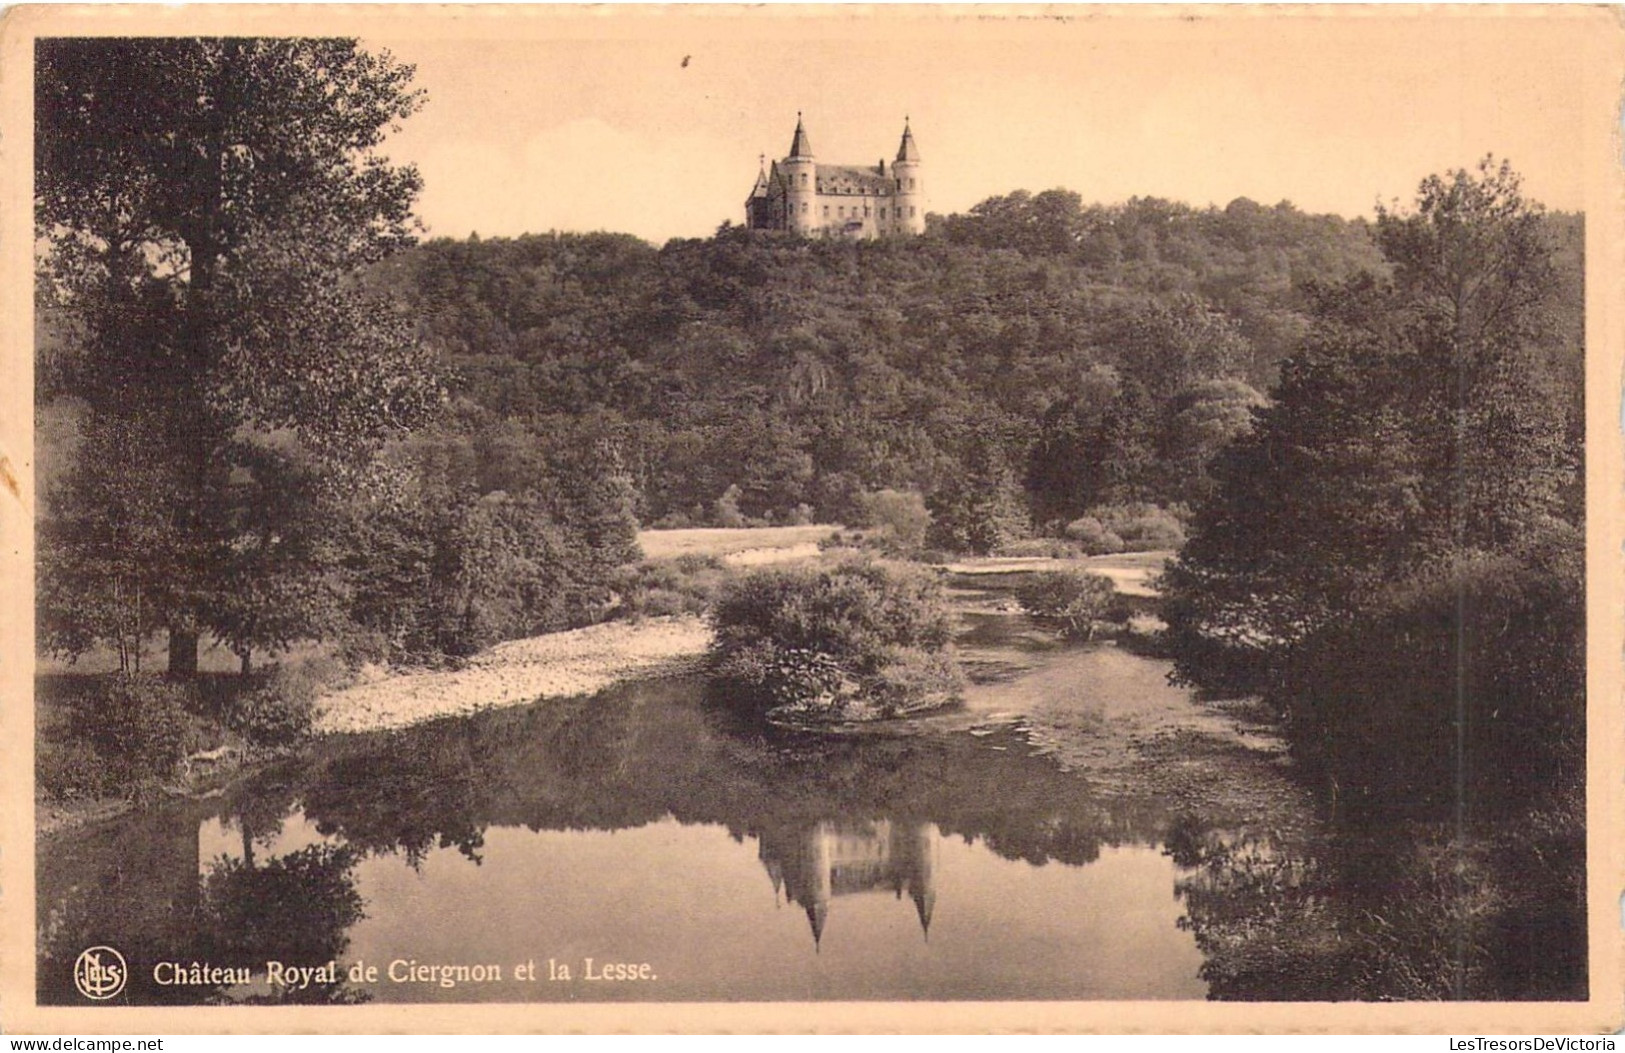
[[1073, 356]]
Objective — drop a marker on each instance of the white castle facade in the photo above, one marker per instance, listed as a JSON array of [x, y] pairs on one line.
[[799, 195]]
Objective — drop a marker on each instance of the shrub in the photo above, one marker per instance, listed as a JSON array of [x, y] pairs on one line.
[[1141, 527], [358, 646], [280, 708], [1093, 536], [855, 641], [897, 519], [693, 563], [72, 768], [725, 509], [686, 584], [1039, 548], [673, 521], [1074, 600], [137, 723]]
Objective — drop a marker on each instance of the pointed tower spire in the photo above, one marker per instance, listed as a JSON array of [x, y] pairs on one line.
[[800, 146], [906, 150], [817, 915], [760, 189], [925, 901]]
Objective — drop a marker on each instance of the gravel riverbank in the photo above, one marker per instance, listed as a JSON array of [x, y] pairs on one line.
[[557, 665]]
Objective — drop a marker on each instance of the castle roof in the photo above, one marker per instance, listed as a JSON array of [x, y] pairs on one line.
[[760, 189], [853, 179], [800, 146], [906, 150]]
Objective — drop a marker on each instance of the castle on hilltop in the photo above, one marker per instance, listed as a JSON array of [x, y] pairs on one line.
[[858, 201]]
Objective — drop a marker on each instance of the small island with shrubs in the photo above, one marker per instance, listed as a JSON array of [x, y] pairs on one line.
[[859, 640]]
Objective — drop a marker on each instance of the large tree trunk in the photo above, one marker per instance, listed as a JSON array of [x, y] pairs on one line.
[[182, 653]]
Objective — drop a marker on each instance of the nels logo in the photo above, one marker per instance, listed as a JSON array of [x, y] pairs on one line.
[[100, 973]]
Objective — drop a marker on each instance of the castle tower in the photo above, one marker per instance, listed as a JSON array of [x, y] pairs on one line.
[[759, 206], [801, 178], [910, 197]]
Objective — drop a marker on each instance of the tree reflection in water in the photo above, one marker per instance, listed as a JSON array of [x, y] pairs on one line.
[[295, 908], [1411, 911], [1298, 914]]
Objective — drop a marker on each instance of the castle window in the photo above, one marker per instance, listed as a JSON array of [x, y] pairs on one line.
[[911, 184], [842, 210], [826, 211], [865, 209], [911, 212], [803, 206]]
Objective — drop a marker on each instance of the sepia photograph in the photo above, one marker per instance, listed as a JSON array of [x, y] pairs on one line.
[[893, 512]]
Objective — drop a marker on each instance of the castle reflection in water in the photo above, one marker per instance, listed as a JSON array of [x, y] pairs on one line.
[[811, 866]]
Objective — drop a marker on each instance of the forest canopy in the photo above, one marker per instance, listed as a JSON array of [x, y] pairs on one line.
[[1073, 355]]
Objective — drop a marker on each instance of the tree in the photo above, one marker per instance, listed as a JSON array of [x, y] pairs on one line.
[[1416, 427], [1204, 418], [205, 203], [979, 507], [1166, 346]]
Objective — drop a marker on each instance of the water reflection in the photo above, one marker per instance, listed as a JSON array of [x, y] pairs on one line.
[[622, 824], [812, 866]]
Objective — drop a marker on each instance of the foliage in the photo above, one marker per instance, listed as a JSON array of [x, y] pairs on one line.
[[1041, 548], [1141, 527], [1075, 601], [203, 203], [1405, 507], [139, 726], [1094, 536], [296, 908], [72, 768], [1104, 354], [279, 707], [1461, 684], [686, 584], [809, 373], [1203, 419], [446, 567], [981, 508], [899, 520], [858, 639]]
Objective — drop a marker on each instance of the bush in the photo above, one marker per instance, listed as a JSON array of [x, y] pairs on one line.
[[673, 521], [358, 646], [725, 509], [896, 520], [1074, 600], [72, 768], [1141, 527], [1093, 536], [280, 708], [855, 641], [686, 584], [1039, 548], [138, 724]]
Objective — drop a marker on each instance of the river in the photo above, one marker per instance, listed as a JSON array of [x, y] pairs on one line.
[[1078, 829]]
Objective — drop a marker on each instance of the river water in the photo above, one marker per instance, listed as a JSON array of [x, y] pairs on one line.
[[1079, 829]]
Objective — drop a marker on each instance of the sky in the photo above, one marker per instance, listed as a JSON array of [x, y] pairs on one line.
[[652, 122]]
